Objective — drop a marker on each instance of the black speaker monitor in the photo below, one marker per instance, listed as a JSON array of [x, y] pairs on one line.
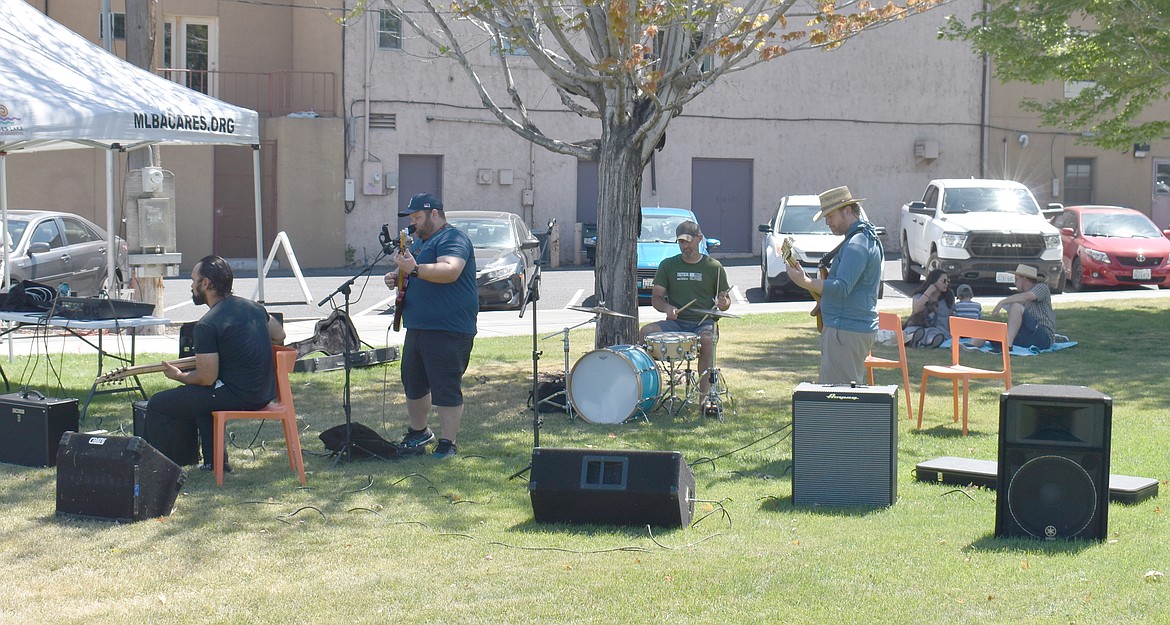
[[1053, 479], [610, 487], [114, 478]]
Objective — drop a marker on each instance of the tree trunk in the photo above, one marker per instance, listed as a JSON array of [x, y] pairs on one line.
[[619, 216]]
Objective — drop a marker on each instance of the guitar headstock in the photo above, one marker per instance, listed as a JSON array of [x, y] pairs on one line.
[[786, 252], [404, 240], [112, 376]]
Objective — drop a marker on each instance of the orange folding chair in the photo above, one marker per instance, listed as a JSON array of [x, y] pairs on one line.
[[973, 329], [892, 322], [281, 409]]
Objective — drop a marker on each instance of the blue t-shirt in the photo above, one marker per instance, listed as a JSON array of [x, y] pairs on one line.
[[453, 306], [849, 297]]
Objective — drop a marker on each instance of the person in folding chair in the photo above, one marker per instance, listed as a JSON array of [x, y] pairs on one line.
[[233, 368], [849, 292]]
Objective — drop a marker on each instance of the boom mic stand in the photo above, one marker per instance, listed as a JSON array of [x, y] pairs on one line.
[[347, 447], [532, 297]]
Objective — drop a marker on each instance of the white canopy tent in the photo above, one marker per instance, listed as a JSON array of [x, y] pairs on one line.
[[59, 91]]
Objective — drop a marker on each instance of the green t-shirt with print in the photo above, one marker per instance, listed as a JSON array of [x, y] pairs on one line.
[[684, 281]]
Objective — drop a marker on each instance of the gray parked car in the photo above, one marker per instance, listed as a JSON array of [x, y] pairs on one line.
[[52, 247], [505, 254]]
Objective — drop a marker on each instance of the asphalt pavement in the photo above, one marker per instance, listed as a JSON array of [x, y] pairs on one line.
[[306, 300]]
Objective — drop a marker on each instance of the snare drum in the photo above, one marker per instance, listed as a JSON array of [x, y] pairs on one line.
[[672, 345], [610, 385]]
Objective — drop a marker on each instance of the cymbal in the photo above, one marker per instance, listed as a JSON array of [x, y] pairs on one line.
[[715, 312], [600, 310]]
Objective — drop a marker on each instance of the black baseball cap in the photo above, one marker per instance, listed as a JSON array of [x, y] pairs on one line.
[[421, 202]]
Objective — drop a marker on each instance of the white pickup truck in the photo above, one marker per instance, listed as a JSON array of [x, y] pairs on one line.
[[978, 231]]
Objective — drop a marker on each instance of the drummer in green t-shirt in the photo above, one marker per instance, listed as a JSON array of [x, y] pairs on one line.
[[685, 284]]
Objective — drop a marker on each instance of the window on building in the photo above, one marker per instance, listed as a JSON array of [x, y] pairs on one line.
[[1073, 88], [389, 30], [1078, 181], [191, 51], [119, 22], [512, 48]]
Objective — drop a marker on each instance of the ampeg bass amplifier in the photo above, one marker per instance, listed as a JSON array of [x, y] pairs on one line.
[[844, 445]]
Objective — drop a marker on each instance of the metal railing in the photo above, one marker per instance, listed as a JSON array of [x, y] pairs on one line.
[[271, 94]]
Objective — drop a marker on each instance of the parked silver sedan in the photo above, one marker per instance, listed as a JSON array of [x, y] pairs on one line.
[[52, 248]]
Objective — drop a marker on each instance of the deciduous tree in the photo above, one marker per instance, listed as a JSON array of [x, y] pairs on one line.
[[632, 65]]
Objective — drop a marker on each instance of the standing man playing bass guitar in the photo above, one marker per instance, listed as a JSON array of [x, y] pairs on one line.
[[439, 311], [849, 293], [233, 367]]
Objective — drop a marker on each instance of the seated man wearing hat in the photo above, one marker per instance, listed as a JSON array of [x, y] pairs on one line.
[[683, 285], [1031, 320], [849, 292]]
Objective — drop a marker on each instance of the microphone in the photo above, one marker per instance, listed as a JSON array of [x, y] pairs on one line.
[[386, 240]]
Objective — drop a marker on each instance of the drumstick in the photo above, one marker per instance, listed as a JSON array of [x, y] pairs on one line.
[[688, 305]]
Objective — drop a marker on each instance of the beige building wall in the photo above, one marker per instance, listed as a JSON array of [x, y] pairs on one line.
[[807, 122], [253, 37], [1119, 178]]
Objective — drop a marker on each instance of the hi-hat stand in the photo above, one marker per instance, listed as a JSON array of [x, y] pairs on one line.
[[346, 451], [564, 392]]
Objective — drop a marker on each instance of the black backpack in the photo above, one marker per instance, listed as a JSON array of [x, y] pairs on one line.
[[365, 442], [29, 296]]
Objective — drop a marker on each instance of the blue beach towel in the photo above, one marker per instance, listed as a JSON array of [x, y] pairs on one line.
[[1060, 343]]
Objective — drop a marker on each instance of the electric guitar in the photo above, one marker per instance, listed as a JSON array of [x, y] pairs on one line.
[[403, 279], [126, 372], [790, 258]]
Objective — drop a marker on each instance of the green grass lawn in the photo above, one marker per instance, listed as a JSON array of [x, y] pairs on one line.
[[426, 541]]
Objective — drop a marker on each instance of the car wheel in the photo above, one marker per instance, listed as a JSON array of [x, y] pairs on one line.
[[909, 276], [1077, 280], [1059, 284]]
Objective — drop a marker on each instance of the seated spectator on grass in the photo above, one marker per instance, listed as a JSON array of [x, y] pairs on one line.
[[929, 323], [966, 306]]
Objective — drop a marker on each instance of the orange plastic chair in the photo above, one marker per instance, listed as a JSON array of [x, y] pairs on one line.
[[961, 328], [282, 409], [892, 322]]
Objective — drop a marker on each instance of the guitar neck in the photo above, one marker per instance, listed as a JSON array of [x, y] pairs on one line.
[[125, 372]]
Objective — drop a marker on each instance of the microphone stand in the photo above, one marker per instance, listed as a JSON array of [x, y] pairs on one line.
[[532, 297], [345, 454]]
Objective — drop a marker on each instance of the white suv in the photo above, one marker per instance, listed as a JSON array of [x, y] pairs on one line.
[[811, 240]]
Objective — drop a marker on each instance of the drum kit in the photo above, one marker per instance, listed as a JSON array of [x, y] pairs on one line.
[[625, 382]]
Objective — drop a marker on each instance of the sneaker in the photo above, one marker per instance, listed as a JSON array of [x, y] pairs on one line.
[[227, 468], [445, 449], [415, 442]]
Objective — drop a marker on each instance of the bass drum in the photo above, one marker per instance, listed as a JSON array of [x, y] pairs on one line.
[[612, 384]]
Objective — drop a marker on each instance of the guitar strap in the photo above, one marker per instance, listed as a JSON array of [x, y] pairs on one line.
[[864, 228]]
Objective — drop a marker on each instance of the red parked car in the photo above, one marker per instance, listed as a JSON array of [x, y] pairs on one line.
[[1112, 246]]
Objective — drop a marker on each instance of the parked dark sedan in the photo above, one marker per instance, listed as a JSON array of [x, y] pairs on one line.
[[505, 254], [52, 248]]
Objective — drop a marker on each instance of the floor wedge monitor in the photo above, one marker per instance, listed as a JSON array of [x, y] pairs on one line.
[[114, 478], [611, 487], [1053, 478]]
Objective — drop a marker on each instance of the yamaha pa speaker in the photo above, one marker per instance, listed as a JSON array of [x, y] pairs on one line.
[[31, 426], [1053, 479], [114, 478], [607, 487], [844, 445]]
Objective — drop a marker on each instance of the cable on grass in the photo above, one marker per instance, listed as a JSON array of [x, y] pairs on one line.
[[958, 490], [718, 507], [369, 484], [711, 461], [282, 517], [694, 544]]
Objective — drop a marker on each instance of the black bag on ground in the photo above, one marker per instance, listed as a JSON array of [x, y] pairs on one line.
[[366, 443], [550, 384]]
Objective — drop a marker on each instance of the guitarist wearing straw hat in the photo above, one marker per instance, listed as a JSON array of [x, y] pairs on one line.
[[849, 292], [684, 285]]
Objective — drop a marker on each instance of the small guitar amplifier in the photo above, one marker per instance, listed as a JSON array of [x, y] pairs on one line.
[[31, 426]]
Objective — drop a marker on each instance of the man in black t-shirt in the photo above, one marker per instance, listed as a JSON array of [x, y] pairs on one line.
[[233, 368]]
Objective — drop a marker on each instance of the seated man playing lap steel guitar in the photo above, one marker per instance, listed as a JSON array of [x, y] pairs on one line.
[[683, 285], [233, 368]]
